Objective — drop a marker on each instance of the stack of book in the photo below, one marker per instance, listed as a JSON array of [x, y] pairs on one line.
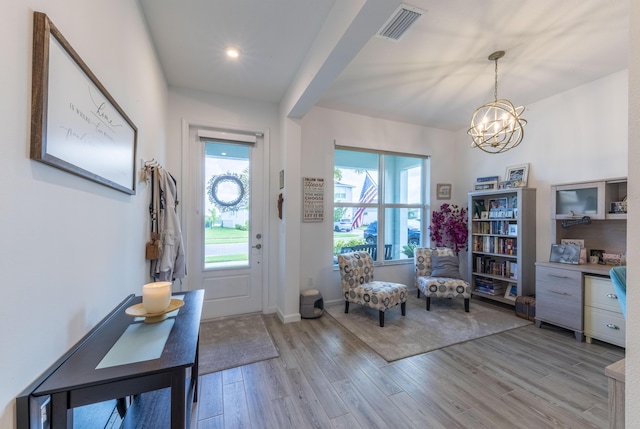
[[490, 286]]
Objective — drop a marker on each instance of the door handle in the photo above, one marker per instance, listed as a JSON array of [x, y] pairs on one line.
[[257, 246]]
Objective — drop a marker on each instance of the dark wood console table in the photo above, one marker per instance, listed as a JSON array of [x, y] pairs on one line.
[[77, 381]]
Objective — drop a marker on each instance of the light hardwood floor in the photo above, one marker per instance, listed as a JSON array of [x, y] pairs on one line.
[[327, 378]]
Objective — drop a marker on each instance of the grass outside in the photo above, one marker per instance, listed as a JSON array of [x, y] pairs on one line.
[[219, 235]]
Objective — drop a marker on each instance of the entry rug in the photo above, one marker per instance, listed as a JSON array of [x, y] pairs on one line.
[[230, 342], [421, 331]]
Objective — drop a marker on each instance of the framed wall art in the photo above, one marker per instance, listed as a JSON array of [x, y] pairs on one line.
[[76, 125], [517, 176], [444, 191]]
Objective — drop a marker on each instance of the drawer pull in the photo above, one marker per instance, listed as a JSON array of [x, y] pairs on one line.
[[612, 296], [612, 326], [559, 293], [558, 277]]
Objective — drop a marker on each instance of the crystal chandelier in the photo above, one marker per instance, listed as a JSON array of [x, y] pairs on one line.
[[497, 126]]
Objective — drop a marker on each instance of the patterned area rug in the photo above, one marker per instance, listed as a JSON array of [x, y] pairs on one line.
[[234, 341], [420, 330]]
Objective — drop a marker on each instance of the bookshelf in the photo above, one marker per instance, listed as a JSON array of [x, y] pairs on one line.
[[502, 243]]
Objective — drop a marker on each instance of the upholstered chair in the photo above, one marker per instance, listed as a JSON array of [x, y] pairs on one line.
[[437, 275], [358, 286]]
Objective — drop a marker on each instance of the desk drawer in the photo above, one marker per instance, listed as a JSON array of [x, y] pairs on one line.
[[559, 297], [605, 325], [599, 292]]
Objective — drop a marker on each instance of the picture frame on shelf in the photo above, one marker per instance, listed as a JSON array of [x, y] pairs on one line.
[[443, 191], [511, 293], [497, 203], [478, 207], [599, 253], [513, 229], [484, 215], [565, 254], [485, 186], [518, 175]]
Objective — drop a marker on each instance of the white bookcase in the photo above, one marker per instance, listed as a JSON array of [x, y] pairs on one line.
[[502, 243]]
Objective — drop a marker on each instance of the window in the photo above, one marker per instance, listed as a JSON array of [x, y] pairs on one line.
[[379, 203]]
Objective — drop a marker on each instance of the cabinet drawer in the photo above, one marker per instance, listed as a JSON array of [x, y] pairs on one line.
[[599, 292], [605, 325], [559, 297]]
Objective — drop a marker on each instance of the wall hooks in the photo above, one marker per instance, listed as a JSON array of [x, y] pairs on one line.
[[146, 167]]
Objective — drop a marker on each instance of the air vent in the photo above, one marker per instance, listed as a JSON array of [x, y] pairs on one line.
[[399, 23]]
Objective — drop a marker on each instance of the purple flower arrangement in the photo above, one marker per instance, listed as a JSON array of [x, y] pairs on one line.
[[449, 227]]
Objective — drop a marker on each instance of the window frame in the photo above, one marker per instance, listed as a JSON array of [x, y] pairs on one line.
[[381, 206]]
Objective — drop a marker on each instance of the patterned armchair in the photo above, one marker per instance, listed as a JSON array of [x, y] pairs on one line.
[[358, 286], [447, 286]]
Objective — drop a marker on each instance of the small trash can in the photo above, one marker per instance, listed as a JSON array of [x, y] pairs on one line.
[[311, 304]]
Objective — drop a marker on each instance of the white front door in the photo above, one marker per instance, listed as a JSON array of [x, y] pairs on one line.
[[225, 221]]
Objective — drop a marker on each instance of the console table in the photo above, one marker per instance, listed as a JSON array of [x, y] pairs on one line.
[[83, 378]]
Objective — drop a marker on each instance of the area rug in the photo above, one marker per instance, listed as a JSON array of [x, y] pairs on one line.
[[229, 342], [420, 330]]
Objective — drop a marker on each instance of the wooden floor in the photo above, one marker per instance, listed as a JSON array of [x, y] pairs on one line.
[[326, 378]]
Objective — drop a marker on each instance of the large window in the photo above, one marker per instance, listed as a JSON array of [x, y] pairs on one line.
[[380, 201]]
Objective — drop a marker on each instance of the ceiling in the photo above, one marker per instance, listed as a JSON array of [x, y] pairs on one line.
[[435, 75]]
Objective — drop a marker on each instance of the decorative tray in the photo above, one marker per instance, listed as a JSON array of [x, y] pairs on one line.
[[139, 311]]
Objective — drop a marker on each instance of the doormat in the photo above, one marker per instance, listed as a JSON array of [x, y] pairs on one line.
[[230, 342]]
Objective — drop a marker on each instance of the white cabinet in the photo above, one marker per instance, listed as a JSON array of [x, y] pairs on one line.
[[591, 199], [502, 243], [603, 317]]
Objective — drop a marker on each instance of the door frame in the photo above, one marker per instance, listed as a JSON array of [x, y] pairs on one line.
[[188, 196]]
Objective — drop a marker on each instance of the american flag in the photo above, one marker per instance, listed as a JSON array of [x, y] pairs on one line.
[[368, 194]]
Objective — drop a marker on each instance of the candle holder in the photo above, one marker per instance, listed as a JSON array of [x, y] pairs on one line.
[[156, 297]]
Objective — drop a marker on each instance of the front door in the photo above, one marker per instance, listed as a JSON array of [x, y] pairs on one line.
[[226, 226]]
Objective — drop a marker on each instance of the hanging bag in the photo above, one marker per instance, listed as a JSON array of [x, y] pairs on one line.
[[152, 249]]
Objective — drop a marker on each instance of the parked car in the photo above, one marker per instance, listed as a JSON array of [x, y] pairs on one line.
[[413, 232], [343, 225]]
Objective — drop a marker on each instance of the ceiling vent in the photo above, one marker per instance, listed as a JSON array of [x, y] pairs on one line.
[[396, 26]]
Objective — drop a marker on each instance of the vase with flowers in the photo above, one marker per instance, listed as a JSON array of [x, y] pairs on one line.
[[449, 227]]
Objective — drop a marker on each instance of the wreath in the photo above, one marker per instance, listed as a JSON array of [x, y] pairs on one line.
[[228, 192]]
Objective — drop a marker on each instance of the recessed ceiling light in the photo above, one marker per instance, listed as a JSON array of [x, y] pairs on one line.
[[233, 52]]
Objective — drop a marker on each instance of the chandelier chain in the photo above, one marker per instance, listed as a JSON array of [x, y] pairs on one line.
[[495, 90]]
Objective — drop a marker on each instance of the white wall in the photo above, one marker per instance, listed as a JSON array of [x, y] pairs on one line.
[[633, 233], [320, 128], [71, 249]]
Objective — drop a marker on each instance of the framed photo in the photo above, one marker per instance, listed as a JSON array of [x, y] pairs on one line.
[[565, 254], [498, 203], [511, 293], [444, 191], [513, 229], [484, 214], [597, 253], [485, 186], [517, 175], [76, 125]]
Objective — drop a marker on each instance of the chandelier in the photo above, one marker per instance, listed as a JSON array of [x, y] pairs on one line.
[[497, 126]]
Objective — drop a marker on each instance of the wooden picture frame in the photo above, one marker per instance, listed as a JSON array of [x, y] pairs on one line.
[[76, 125], [517, 176], [443, 191]]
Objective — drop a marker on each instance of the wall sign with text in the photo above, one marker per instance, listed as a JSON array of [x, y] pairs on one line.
[[312, 199]]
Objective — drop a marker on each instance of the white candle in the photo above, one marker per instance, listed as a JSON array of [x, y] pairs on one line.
[[156, 297]]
